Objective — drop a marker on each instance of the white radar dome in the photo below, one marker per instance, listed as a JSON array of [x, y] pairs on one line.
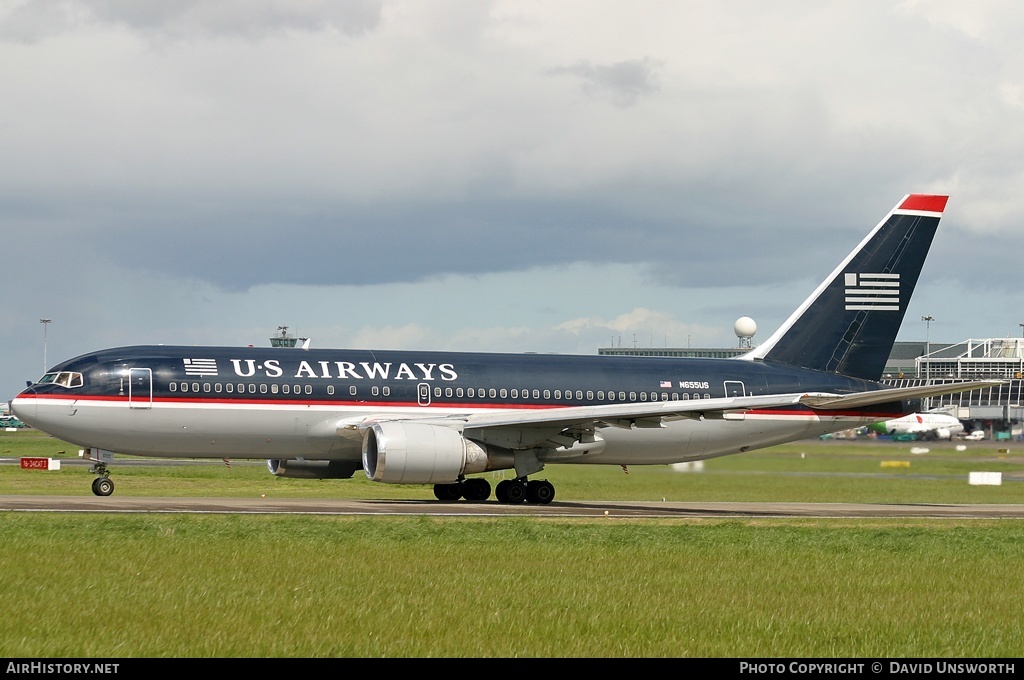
[[744, 327]]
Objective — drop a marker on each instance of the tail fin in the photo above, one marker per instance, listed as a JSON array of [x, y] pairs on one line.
[[849, 324]]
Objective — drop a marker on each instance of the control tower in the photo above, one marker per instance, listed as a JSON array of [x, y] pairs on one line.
[[283, 339]]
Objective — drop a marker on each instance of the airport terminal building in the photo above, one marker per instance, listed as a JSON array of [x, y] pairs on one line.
[[997, 410]]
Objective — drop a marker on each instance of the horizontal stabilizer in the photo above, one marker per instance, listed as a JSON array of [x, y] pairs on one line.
[[834, 401]]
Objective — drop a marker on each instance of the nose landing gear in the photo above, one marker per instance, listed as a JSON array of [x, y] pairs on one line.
[[102, 485]]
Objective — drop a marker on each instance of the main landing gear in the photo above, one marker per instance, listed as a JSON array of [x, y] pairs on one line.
[[509, 491]]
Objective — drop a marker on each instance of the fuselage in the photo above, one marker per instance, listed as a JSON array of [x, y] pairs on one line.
[[237, 402]]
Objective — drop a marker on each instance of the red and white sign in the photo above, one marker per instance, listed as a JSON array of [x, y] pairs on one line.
[[40, 464]]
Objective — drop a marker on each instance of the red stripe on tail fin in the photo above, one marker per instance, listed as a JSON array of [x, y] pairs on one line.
[[925, 203]]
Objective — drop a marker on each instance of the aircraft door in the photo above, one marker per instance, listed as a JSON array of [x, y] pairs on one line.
[[140, 388], [423, 394], [735, 388]]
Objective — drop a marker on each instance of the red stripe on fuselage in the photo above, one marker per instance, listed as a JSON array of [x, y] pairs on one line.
[[781, 411]]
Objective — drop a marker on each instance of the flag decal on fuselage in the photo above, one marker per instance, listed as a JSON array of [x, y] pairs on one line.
[[878, 292], [200, 367]]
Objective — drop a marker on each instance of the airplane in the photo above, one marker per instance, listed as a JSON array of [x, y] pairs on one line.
[[923, 425], [446, 418]]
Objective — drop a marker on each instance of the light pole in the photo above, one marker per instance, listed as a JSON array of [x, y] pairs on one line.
[[927, 346], [45, 322], [926, 404]]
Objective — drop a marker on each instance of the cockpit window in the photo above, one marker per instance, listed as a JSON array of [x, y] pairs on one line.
[[64, 378]]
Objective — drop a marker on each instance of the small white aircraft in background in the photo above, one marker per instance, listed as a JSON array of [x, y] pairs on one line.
[[924, 425]]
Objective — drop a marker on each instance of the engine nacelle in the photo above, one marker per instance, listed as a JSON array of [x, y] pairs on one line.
[[313, 469], [417, 453]]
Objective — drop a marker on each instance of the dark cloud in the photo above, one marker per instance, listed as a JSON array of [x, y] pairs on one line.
[[709, 242], [622, 83], [34, 20]]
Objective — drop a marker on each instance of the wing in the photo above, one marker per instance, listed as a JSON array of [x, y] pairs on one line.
[[573, 426]]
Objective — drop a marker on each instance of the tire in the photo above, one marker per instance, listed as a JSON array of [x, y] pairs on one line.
[[541, 492], [448, 492], [476, 489], [102, 486], [515, 492]]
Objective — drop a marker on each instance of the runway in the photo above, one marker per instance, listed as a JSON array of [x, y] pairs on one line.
[[567, 509]]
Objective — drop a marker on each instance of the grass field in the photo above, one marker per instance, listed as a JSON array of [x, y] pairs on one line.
[[139, 585]]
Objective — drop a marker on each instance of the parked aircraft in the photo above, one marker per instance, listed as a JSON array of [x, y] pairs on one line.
[[923, 425], [442, 418]]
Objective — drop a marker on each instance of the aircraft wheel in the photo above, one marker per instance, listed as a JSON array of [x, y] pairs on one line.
[[476, 489], [448, 492], [501, 491], [541, 491], [102, 486], [513, 492]]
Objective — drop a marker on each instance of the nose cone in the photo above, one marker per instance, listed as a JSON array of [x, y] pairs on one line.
[[24, 407]]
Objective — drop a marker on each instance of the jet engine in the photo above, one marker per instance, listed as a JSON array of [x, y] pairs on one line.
[[313, 469], [417, 453]]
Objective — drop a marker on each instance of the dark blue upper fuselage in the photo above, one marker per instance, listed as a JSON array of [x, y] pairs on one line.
[[396, 377]]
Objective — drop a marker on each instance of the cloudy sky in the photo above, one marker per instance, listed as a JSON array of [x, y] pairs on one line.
[[509, 176]]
